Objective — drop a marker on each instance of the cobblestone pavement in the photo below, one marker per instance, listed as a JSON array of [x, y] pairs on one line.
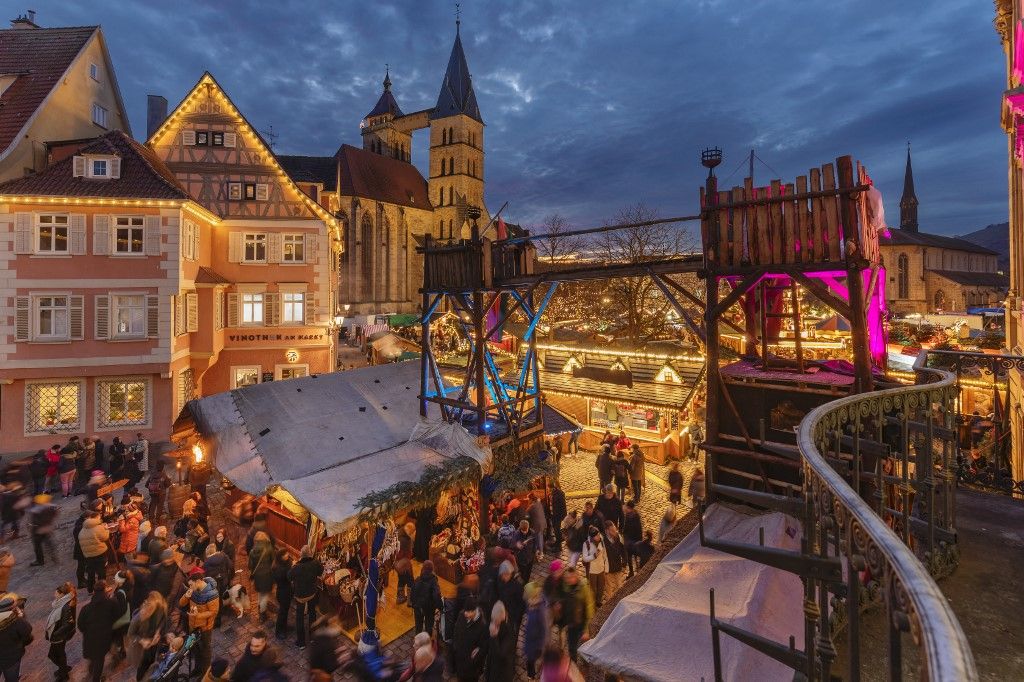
[[578, 478]]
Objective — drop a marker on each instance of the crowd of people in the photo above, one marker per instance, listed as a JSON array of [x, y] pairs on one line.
[[150, 591]]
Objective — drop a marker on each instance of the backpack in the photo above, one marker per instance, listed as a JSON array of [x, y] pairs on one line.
[[155, 484]]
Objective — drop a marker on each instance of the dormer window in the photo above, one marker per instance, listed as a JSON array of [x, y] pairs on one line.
[[97, 166], [571, 364], [668, 375]]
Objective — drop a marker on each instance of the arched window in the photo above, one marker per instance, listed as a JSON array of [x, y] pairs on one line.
[[902, 276], [451, 229], [571, 364], [451, 196], [366, 252], [451, 166], [668, 375], [444, 136], [451, 135], [440, 196]]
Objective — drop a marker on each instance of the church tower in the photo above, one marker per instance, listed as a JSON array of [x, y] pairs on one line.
[[456, 149], [908, 204], [380, 133]]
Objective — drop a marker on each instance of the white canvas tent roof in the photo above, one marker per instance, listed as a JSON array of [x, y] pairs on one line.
[[329, 439], [663, 631]]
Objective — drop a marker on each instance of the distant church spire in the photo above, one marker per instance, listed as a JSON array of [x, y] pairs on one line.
[[457, 96], [908, 204]]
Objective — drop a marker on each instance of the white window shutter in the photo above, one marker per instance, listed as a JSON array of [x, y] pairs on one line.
[[179, 314], [76, 317], [78, 167], [23, 237], [152, 235], [192, 311], [272, 309], [115, 167], [102, 317], [235, 247], [77, 234], [195, 241], [309, 310], [153, 316], [101, 235], [22, 318], [188, 137], [229, 139], [275, 244], [262, 192], [218, 310], [309, 248], [232, 310]]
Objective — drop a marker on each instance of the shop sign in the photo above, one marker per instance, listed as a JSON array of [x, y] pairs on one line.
[[234, 338]]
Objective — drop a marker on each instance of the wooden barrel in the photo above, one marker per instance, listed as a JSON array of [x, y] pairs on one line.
[[176, 496]]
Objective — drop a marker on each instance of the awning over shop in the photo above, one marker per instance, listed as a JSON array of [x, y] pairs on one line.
[[391, 345], [403, 320], [329, 439], [662, 630]]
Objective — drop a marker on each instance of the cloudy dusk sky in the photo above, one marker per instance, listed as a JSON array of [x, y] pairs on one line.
[[591, 106]]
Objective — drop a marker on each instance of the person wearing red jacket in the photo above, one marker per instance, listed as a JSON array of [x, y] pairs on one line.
[[52, 484]]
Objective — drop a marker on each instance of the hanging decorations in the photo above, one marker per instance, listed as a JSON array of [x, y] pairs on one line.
[[436, 478]]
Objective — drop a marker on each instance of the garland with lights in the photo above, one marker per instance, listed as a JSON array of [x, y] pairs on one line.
[[435, 479]]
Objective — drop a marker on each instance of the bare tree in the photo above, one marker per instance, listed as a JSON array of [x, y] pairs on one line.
[[636, 302], [560, 246]]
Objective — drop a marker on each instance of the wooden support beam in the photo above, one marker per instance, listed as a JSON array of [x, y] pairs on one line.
[[824, 294], [683, 313], [743, 287]]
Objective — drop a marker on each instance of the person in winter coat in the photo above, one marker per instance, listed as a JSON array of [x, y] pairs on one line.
[[510, 593], [128, 526], [644, 549], [525, 549], [632, 533], [535, 634], [426, 598], [52, 483], [157, 544], [622, 443], [42, 518], [222, 569], [259, 525], [637, 471], [203, 602], [141, 579], [616, 551], [15, 635], [77, 553], [60, 628], [574, 531], [67, 467], [667, 521], [303, 577], [696, 490], [609, 506], [145, 632], [469, 642], [157, 484], [675, 483], [596, 560], [164, 574], [261, 564], [538, 521], [427, 665], [115, 459], [259, 656], [93, 541], [603, 463], [620, 474], [324, 645], [573, 608], [558, 512], [96, 623], [222, 541], [282, 566], [38, 467], [501, 647]]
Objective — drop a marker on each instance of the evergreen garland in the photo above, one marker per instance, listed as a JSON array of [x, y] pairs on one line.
[[436, 478]]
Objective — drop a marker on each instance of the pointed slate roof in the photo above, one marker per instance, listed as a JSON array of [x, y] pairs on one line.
[[143, 175], [908, 179], [387, 104], [457, 96]]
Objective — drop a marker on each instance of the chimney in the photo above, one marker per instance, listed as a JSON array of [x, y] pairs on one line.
[[156, 113], [27, 20]]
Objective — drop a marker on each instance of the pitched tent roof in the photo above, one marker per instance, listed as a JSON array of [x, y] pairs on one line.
[[975, 279], [207, 79], [143, 175], [457, 96], [906, 237], [328, 439], [364, 174], [38, 58], [320, 169]]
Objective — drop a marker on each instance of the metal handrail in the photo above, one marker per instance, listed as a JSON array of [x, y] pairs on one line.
[[946, 653]]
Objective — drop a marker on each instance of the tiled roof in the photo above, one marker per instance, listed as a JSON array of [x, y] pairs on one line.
[[210, 276], [975, 279], [644, 392], [906, 237], [143, 175], [372, 176], [38, 57], [385, 105], [321, 169]]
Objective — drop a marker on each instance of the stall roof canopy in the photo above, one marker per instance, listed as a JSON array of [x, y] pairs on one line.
[[358, 429], [661, 631]]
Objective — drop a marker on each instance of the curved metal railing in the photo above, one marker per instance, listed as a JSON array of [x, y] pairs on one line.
[[879, 496]]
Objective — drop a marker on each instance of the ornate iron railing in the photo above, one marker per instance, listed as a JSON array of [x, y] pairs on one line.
[[879, 499]]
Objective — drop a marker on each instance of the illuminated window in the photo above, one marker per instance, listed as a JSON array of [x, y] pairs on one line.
[[902, 276], [293, 247], [571, 364], [128, 234], [122, 402], [52, 234], [668, 375], [52, 318], [252, 308], [245, 376], [293, 308], [255, 247], [51, 407], [129, 313], [617, 366]]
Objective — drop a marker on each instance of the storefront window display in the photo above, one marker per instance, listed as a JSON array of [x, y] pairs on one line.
[[612, 415]]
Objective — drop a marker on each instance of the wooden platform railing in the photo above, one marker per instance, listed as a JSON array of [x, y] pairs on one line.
[[889, 518]]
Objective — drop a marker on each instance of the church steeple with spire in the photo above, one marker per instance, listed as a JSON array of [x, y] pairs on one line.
[[380, 132], [908, 204]]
